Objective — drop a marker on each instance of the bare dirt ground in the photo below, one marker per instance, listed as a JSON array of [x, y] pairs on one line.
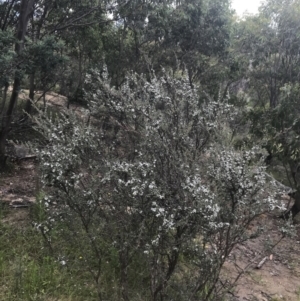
[[279, 276], [52, 99], [18, 188], [277, 279]]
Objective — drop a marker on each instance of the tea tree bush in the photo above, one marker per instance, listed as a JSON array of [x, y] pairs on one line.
[[148, 194]]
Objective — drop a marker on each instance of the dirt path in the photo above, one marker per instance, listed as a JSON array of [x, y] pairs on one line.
[[18, 191], [279, 277]]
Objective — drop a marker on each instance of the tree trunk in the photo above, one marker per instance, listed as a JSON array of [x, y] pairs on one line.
[[5, 21], [7, 120], [28, 107], [4, 99], [273, 94], [296, 207], [26, 8], [124, 279]]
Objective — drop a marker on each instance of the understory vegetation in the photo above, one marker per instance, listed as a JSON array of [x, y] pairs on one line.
[[187, 134]]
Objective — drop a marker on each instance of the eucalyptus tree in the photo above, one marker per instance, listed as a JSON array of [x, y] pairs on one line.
[[199, 35], [26, 9], [37, 23], [268, 43], [267, 46], [62, 20], [192, 35], [8, 13], [7, 55], [7, 63]]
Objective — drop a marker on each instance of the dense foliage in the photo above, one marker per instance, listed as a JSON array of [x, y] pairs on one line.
[[150, 179], [162, 170]]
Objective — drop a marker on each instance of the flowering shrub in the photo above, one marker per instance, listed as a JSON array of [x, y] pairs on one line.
[[151, 187]]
